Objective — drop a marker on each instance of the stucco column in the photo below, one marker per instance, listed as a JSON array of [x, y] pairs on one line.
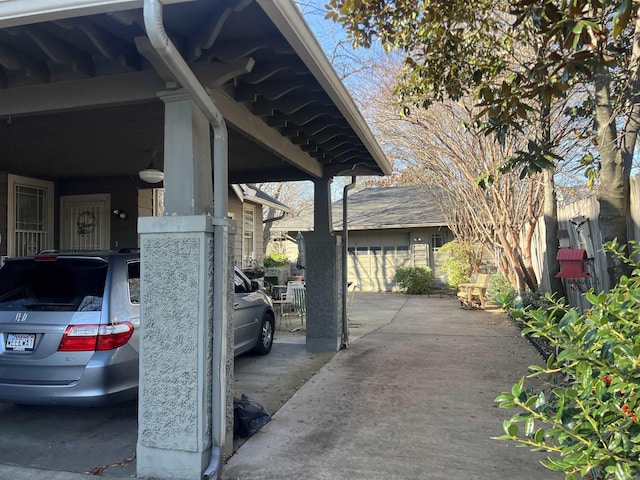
[[323, 276], [187, 157], [174, 432], [176, 336]]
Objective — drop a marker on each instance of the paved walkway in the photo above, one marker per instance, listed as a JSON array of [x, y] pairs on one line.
[[410, 400]]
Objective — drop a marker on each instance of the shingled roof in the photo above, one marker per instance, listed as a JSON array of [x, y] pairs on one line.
[[379, 208]]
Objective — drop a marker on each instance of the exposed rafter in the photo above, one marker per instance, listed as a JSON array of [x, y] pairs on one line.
[[323, 137], [264, 72], [36, 71], [288, 104], [61, 52], [285, 108], [329, 145], [110, 46], [272, 90], [311, 128], [206, 35], [227, 52], [225, 72]]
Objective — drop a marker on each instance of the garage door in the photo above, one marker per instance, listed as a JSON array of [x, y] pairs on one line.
[[374, 268]]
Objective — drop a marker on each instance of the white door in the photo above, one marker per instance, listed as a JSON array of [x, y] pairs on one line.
[[30, 216], [84, 222]]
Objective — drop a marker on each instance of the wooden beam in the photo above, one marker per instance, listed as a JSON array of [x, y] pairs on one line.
[[13, 59], [239, 116], [61, 52], [109, 45], [273, 90]]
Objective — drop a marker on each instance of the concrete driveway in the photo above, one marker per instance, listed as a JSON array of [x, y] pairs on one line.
[[412, 398], [54, 443]]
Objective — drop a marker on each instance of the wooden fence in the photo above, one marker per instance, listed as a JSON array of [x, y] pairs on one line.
[[579, 228]]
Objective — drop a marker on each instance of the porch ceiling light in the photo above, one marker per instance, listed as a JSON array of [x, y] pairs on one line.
[[151, 174]]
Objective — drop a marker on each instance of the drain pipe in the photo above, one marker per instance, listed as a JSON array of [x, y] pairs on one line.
[[345, 245], [153, 21]]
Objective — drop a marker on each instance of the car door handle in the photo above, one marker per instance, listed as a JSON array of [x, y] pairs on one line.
[[236, 305]]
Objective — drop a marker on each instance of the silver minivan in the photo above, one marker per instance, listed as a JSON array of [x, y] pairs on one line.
[[69, 327]]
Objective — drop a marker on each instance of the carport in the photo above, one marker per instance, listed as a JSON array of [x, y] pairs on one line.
[[226, 91]]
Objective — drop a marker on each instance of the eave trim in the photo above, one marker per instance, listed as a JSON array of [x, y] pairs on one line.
[[289, 20]]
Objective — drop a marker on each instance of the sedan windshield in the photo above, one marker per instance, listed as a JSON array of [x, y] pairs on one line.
[[62, 284]]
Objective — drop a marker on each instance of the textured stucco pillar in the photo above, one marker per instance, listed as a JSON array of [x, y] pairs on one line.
[[323, 275], [324, 294], [174, 433]]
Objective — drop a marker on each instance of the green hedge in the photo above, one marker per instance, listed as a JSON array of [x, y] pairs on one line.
[[582, 405], [414, 280], [275, 260]]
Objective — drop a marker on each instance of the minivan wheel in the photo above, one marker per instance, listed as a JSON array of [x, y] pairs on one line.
[[265, 335]]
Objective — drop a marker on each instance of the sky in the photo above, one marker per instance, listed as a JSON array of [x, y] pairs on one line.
[[348, 62]]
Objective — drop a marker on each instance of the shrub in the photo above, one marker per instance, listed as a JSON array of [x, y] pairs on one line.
[[414, 280], [460, 262], [503, 294], [275, 260], [535, 299], [499, 287], [585, 411]]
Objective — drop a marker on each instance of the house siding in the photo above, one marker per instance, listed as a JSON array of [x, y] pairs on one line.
[[257, 228], [125, 195], [375, 255], [236, 209], [145, 202]]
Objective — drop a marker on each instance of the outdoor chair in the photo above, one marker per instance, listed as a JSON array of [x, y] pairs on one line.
[[286, 304], [299, 303], [472, 295]]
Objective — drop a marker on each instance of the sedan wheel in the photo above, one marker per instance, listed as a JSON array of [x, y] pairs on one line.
[[265, 336]]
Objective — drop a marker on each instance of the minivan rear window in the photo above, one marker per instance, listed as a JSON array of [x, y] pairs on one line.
[[59, 284]]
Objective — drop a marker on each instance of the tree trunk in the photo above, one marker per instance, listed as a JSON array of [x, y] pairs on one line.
[[551, 232], [549, 201], [271, 213], [550, 210], [613, 188]]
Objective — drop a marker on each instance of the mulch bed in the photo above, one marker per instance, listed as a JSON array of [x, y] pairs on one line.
[[543, 347]]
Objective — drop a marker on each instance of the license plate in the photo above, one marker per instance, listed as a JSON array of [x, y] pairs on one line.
[[20, 342]]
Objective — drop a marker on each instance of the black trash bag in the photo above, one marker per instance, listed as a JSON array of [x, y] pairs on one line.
[[249, 416]]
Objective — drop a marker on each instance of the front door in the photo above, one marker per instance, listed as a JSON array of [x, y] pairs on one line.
[[84, 222]]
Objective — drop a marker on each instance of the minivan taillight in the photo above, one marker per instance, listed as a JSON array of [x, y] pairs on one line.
[[83, 338]]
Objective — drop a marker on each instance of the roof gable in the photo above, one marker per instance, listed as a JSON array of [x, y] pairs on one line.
[[380, 208]]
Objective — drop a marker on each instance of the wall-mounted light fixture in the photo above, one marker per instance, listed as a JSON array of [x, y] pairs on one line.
[[118, 212], [151, 174]]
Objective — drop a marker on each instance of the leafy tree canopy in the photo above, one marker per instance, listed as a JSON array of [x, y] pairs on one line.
[[515, 57], [456, 48]]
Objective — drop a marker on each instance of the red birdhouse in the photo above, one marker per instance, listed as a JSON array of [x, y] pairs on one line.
[[572, 263]]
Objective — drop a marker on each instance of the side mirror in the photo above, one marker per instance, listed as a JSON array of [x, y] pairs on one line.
[[255, 286]]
